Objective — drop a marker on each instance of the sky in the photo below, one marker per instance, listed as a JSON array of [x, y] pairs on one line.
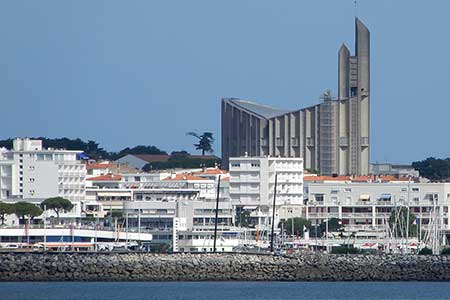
[[127, 73]]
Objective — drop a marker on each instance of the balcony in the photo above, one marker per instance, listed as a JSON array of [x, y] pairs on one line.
[[343, 141], [310, 142], [279, 142], [364, 141]]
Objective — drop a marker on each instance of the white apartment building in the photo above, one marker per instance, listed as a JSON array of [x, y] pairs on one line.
[[252, 184], [32, 173], [367, 206]]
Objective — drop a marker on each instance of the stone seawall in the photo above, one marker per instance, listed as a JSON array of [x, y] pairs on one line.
[[215, 267]]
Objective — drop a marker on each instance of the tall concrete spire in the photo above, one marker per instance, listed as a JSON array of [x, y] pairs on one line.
[[362, 45], [362, 51], [343, 77]]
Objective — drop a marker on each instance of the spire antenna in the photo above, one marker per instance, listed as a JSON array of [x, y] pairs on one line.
[[355, 7]]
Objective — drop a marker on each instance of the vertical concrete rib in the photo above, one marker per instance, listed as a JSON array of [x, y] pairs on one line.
[[343, 70], [363, 53]]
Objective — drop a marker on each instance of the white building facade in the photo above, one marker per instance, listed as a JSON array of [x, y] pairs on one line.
[[367, 206], [252, 185], [32, 173]]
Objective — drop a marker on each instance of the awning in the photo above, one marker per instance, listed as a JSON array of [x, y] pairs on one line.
[[369, 246], [364, 197], [385, 197], [249, 207]]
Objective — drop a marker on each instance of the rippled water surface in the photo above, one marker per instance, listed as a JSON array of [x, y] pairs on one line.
[[225, 290]]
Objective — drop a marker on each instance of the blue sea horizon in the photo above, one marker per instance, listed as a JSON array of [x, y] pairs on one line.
[[224, 290]]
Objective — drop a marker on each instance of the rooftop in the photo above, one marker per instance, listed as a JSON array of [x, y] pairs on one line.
[[108, 177], [184, 177], [261, 110], [99, 166]]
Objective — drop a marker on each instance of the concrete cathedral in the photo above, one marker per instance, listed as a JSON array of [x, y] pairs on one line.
[[332, 137]]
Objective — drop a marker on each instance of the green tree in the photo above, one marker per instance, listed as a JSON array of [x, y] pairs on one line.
[[26, 210], [399, 221], [58, 205], [299, 225], [205, 141], [344, 250], [182, 160], [334, 225], [433, 168], [243, 218], [5, 209], [425, 251]]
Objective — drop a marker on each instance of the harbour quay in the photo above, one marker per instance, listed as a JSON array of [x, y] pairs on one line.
[[66, 266]]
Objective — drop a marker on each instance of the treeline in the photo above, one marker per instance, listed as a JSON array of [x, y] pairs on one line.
[[182, 160], [90, 148], [435, 169]]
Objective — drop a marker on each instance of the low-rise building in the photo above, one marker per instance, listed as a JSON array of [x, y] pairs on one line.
[[366, 207]]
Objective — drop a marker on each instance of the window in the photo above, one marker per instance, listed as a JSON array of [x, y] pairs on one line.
[[21, 191], [319, 197], [21, 161], [255, 165], [31, 179], [404, 189], [348, 190], [21, 178], [415, 189], [235, 165]]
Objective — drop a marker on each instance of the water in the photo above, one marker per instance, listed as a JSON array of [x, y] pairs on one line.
[[225, 290]]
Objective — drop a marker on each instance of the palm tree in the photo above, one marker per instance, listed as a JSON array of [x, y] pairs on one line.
[[205, 141]]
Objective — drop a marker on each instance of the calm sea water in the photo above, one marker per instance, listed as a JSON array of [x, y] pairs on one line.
[[225, 290]]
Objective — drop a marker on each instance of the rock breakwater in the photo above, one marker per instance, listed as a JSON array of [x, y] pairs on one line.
[[220, 267]]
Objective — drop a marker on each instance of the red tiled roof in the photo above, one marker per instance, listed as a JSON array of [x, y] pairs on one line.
[[362, 178], [99, 166], [326, 178], [212, 172], [109, 177], [184, 177], [393, 178], [368, 178]]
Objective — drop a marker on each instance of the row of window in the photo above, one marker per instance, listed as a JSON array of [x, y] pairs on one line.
[[349, 190]]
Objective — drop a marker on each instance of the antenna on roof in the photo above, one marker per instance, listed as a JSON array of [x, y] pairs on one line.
[[355, 6]]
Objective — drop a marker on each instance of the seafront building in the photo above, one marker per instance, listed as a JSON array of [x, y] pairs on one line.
[[365, 204], [252, 186], [31, 173], [332, 137]]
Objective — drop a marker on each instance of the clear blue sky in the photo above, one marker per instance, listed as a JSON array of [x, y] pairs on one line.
[[145, 72]]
